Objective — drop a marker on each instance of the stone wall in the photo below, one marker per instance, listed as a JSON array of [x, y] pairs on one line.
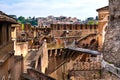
[[18, 67], [21, 48], [111, 47], [70, 30]]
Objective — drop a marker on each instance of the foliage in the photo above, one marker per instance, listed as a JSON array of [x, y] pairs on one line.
[[23, 20], [91, 21]]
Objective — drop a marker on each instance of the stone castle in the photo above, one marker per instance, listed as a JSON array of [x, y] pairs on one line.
[[61, 51]]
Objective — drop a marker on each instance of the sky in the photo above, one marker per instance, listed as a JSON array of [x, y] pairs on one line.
[[43, 8]]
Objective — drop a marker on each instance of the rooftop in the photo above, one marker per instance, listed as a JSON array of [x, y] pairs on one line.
[[103, 8], [4, 17]]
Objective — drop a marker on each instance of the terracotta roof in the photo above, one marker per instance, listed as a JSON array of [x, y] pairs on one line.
[[5, 18], [103, 8]]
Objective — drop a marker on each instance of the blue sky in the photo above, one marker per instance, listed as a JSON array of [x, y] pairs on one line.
[[42, 8]]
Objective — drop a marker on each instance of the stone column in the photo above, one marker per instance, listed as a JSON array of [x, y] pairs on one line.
[[111, 47]]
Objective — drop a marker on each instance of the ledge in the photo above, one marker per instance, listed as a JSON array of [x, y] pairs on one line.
[[3, 59]]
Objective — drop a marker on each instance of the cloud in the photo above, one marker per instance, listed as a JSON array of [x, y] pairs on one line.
[[74, 8]]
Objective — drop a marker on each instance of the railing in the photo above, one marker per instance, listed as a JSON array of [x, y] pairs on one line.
[[87, 66]]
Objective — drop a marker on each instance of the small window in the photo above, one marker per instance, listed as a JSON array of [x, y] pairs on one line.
[[102, 16]]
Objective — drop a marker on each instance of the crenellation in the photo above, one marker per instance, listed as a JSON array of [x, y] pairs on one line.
[[61, 48]]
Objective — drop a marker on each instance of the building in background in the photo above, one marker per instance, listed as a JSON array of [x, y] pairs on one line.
[[103, 18]]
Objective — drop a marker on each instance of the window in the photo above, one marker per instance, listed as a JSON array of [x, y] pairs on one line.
[[102, 16]]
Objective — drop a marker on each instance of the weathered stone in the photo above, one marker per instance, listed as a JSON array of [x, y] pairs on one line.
[[111, 47]]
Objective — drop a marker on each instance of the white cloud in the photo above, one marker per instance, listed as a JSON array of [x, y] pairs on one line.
[[76, 8]]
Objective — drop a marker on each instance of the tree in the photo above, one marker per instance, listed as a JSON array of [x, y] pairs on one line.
[[21, 19], [31, 20], [90, 22]]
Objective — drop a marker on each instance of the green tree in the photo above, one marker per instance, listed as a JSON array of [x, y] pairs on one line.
[[31, 20], [21, 19], [90, 22]]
